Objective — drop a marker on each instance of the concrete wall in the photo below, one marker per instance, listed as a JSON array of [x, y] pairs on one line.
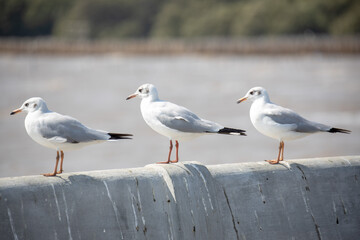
[[299, 199]]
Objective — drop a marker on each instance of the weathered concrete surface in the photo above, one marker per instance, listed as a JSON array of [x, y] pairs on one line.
[[299, 199]]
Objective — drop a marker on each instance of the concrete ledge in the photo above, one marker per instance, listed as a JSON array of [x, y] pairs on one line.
[[298, 199]]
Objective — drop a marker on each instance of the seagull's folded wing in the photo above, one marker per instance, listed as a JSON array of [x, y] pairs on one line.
[[182, 119], [59, 128], [296, 123]]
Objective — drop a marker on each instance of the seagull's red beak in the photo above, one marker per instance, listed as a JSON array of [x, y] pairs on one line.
[[241, 99], [131, 96], [16, 111]]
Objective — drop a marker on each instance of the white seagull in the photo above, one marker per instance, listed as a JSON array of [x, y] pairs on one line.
[[174, 121], [280, 123], [59, 132]]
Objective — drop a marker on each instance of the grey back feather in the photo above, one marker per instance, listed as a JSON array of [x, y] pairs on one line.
[[183, 120], [287, 116], [70, 129]]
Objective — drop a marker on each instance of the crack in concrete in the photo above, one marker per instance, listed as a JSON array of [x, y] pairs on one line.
[[308, 207], [261, 193], [317, 228], [232, 215]]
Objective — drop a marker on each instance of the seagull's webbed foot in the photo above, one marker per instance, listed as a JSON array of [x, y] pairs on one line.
[[60, 171], [167, 162], [272, 161], [50, 174]]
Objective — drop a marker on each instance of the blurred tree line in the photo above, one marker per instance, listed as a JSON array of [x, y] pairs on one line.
[[102, 19]]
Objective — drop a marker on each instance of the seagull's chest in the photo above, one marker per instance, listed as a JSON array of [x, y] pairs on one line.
[[148, 114], [32, 126], [262, 122], [256, 115]]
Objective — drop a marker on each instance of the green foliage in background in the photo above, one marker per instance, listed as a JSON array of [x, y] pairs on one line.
[[31, 17], [104, 19]]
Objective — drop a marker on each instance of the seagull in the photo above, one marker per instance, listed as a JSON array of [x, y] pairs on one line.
[[60, 132], [280, 123], [174, 121]]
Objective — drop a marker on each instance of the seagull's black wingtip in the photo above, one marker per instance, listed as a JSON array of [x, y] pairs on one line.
[[115, 136], [340, 130], [232, 131]]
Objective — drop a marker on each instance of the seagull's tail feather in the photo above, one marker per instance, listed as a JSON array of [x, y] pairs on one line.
[[116, 136], [335, 130], [232, 131]]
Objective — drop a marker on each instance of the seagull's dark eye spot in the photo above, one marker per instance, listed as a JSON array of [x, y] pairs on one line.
[[252, 92], [144, 90], [26, 104]]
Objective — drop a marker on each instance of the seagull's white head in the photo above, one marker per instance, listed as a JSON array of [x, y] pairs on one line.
[[145, 91], [31, 105], [254, 94]]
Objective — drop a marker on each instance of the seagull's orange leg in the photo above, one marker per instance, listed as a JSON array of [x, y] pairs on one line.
[[61, 162], [170, 149], [281, 147], [177, 152], [54, 173], [282, 151]]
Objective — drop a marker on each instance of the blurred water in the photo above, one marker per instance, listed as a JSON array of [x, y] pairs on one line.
[[93, 89]]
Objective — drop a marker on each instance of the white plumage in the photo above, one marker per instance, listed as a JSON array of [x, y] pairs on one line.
[[59, 132], [174, 121], [280, 123]]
